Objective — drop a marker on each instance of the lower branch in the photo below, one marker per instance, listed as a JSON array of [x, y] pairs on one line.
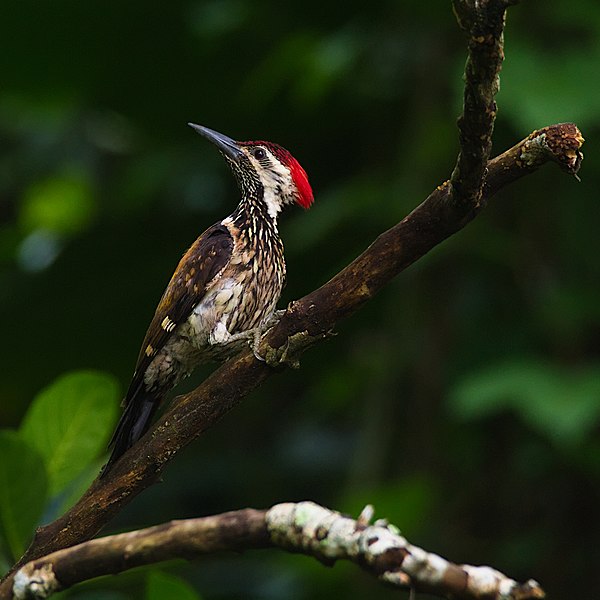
[[302, 527]]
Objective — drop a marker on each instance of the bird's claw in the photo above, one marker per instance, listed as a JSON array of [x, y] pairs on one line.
[[274, 319], [254, 343], [259, 332], [282, 356], [288, 352]]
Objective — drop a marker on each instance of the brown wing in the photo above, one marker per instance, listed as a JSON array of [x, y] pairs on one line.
[[207, 257]]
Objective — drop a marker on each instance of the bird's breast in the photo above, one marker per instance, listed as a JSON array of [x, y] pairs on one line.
[[239, 301]]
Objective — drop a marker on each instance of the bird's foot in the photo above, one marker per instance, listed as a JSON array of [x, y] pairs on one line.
[[287, 354], [274, 319], [254, 336]]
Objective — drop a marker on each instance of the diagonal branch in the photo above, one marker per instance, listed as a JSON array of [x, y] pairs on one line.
[[303, 527]]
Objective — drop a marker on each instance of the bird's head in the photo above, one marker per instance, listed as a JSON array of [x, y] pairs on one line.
[[264, 168]]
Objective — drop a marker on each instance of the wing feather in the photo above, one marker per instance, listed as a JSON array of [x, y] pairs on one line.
[[204, 260]]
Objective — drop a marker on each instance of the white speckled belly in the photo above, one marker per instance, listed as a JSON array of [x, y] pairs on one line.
[[230, 307], [207, 324]]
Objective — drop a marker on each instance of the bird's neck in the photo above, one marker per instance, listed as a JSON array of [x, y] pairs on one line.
[[257, 212]]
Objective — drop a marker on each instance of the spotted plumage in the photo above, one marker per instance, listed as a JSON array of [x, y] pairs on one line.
[[224, 289]]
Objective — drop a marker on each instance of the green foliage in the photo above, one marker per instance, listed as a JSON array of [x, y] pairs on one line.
[[61, 204], [23, 490], [562, 404], [78, 486], [163, 586], [69, 423], [408, 503], [63, 432], [532, 103]]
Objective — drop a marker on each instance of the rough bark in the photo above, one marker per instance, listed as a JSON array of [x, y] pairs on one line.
[[303, 527]]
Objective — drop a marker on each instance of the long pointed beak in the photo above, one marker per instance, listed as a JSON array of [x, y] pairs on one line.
[[225, 144]]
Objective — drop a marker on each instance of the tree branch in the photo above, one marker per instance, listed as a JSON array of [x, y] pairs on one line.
[[303, 527], [483, 23], [448, 208]]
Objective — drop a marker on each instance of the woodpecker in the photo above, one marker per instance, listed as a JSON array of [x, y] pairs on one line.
[[224, 290]]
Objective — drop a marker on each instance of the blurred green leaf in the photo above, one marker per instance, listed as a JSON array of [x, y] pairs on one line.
[[77, 487], [69, 423], [23, 490], [325, 65], [406, 504], [62, 204], [163, 586], [536, 86], [563, 405], [214, 19], [4, 563]]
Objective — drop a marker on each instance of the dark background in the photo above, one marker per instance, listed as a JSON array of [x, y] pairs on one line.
[[463, 402]]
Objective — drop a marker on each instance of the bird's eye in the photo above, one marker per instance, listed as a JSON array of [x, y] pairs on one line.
[[259, 153]]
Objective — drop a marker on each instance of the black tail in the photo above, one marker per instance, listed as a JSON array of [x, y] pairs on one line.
[[132, 425]]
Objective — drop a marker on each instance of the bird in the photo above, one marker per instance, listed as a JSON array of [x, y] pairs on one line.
[[225, 288]]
